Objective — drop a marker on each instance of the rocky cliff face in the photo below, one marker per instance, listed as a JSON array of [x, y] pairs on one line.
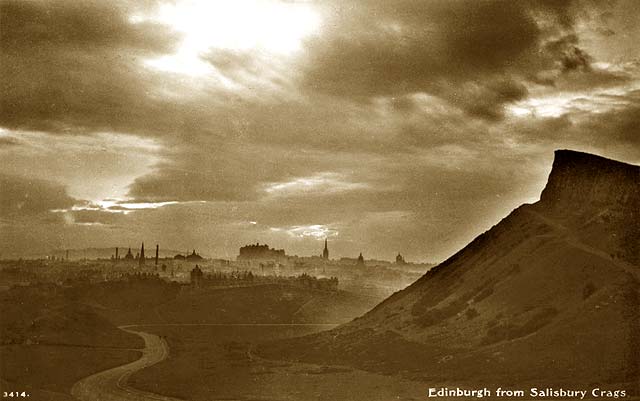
[[581, 180], [598, 199], [525, 302]]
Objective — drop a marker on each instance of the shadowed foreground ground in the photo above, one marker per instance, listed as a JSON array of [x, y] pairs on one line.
[[47, 372], [216, 362]]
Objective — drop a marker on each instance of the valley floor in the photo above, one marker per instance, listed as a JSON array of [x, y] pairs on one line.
[[216, 362]]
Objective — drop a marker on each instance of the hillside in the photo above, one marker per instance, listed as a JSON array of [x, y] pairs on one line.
[[44, 314], [526, 302]]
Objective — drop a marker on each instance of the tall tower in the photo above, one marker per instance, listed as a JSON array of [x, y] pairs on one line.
[[325, 252], [117, 257], [141, 259], [157, 249]]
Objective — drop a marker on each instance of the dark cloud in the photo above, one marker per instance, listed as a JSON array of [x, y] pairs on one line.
[[444, 48], [617, 127], [73, 66], [169, 184], [613, 129], [591, 79], [380, 49], [573, 67], [87, 25], [576, 58], [485, 100], [569, 55], [96, 217], [211, 171], [21, 196], [6, 142], [238, 171], [606, 31]]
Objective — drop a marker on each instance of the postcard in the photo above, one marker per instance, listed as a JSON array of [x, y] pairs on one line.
[[319, 200]]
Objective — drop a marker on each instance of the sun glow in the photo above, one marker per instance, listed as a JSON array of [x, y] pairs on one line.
[[559, 104], [114, 206], [317, 231], [320, 183], [239, 25]]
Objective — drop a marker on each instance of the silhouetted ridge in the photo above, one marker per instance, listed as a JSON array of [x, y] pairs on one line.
[[579, 178], [580, 186], [526, 301]]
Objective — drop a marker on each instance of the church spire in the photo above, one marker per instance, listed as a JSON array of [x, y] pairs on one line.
[[141, 259], [325, 252]]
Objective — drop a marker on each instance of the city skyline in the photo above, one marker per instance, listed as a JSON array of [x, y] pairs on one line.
[[409, 127], [172, 253]]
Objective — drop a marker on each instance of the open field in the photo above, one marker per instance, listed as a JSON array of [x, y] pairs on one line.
[[217, 362]]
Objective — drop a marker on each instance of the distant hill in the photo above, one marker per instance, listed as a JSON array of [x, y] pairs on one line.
[[549, 296]]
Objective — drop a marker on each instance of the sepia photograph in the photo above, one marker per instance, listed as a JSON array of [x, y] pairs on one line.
[[319, 200]]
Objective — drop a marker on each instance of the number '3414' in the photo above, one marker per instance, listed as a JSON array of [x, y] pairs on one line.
[[15, 394]]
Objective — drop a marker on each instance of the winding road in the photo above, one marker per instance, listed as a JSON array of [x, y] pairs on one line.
[[111, 385]]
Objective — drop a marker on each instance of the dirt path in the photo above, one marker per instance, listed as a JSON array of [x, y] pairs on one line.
[[111, 385]]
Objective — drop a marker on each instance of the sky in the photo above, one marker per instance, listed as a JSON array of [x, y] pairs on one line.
[[404, 126]]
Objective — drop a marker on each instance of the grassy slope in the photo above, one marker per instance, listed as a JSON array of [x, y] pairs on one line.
[[521, 304], [45, 314], [123, 302]]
